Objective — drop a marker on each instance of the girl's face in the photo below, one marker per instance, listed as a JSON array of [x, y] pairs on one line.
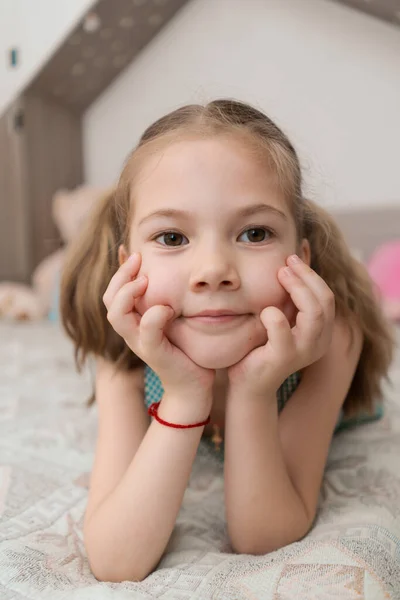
[[213, 233]]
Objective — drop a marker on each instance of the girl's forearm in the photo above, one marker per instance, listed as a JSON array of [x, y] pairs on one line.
[[127, 535], [264, 512]]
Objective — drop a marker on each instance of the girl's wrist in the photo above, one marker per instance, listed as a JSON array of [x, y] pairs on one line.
[[247, 393], [247, 408], [192, 395], [185, 408]]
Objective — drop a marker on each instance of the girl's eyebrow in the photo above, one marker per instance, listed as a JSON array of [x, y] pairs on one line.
[[248, 211]]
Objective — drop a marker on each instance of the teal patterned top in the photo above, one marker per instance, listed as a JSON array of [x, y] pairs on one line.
[[153, 392], [153, 389]]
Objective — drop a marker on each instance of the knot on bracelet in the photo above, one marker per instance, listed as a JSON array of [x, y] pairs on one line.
[[153, 412]]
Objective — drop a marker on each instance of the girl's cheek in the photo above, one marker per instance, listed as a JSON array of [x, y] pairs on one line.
[[276, 295], [148, 299], [156, 293]]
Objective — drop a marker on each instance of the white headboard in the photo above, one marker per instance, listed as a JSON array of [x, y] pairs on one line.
[[366, 229]]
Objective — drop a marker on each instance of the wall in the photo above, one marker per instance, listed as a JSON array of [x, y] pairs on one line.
[[328, 75], [36, 27]]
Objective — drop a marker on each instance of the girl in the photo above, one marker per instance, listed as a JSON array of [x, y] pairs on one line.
[[207, 279]]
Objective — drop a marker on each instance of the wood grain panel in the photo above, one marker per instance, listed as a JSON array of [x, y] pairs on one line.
[[387, 10], [87, 62], [54, 161], [15, 233]]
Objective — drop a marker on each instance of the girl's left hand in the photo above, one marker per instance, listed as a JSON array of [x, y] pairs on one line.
[[288, 350]]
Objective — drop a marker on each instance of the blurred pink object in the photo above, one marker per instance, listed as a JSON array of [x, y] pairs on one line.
[[384, 269]]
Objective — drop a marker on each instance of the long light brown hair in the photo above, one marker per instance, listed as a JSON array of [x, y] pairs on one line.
[[93, 260]]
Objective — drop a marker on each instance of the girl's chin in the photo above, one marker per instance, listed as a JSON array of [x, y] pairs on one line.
[[218, 351], [215, 362], [215, 356]]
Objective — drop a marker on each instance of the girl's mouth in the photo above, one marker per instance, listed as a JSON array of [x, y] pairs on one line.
[[207, 320]]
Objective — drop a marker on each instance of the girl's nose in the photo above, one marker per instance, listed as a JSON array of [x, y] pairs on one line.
[[214, 271]]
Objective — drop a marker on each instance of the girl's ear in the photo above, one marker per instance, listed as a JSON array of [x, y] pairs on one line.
[[305, 252], [122, 254]]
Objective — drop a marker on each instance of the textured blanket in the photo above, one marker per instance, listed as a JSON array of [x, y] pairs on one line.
[[47, 440]]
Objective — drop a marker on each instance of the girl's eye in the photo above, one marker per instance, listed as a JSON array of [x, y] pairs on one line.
[[171, 238], [256, 234]]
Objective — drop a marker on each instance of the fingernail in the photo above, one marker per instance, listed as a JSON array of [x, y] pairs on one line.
[[141, 279], [133, 257], [294, 259], [288, 271]]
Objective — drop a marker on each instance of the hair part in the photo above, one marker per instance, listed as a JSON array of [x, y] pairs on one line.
[[93, 259]]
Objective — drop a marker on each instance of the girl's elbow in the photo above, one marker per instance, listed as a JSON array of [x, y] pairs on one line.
[[112, 573], [264, 544], [255, 547], [109, 576], [110, 567]]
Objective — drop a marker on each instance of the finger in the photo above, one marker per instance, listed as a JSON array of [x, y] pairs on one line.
[[128, 270], [300, 292], [152, 327], [290, 310], [124, 302], [311, 317], [278, 328], [317, 285]]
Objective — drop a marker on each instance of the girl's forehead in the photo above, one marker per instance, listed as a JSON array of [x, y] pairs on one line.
[[194, 152], [193, 169]]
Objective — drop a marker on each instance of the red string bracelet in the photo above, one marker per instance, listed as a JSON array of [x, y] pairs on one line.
[[153, 412]]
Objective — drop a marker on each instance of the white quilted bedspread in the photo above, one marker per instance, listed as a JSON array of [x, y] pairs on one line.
[[46, 451]]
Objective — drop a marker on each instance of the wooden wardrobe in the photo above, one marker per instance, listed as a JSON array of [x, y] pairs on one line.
[[40, 152], [41, 132]]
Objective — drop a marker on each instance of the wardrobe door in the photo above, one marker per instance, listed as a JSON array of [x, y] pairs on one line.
[[15, 231], [53, 161]]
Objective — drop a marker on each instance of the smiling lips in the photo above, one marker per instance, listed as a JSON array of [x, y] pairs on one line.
[[216, 317]]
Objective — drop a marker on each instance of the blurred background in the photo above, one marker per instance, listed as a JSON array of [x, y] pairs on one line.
[[80, 81]]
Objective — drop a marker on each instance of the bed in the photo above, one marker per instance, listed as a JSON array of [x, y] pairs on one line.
[[47, 439]]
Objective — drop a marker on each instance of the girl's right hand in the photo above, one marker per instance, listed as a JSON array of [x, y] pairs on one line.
[[144, 334]]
